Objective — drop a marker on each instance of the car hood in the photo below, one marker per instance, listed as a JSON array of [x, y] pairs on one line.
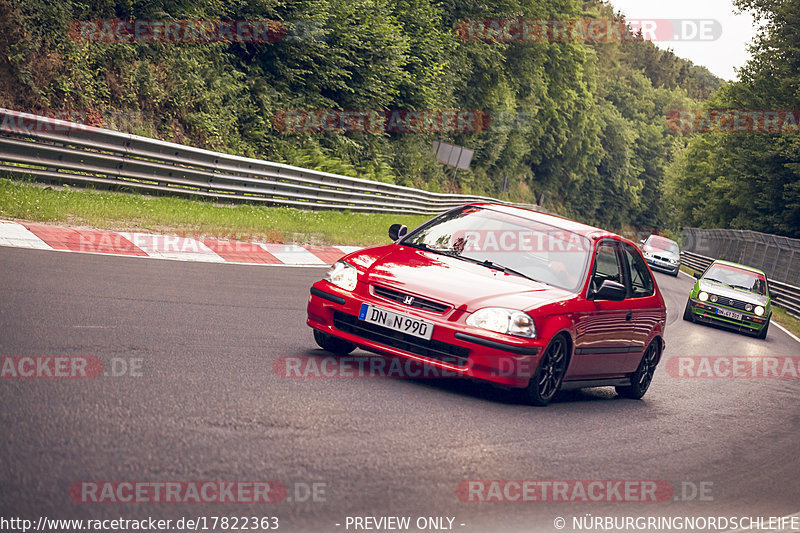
[[450, 280], [729, 292]]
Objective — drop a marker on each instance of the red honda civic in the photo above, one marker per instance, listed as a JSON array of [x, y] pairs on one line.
[[502, 294]]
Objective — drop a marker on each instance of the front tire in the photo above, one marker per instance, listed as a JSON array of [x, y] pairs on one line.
[[763, 333], [333, 344], [641, 379], [546, 381], [687, 312]]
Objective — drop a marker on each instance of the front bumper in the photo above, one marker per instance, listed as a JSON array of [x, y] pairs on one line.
[[662, 266], [706, 312], [455, 347]]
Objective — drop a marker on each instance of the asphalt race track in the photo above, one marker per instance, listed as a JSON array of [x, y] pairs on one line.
[[204, 403]]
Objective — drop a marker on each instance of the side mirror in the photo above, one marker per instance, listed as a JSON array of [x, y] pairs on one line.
[[698, 275], [610, 290], [642, 241], [397, 231]]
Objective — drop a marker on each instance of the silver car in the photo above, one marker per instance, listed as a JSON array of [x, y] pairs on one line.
[[662, 254]]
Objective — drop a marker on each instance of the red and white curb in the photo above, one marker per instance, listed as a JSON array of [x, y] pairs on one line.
[[206, 249]]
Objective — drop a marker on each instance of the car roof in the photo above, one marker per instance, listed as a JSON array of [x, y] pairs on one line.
[[739, 265], [553, 220]]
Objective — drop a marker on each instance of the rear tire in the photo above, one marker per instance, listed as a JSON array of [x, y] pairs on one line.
[[687, 312], [641, 379], [546, 381], [333, 344]]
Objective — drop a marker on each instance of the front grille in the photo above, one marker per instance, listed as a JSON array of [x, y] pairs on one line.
[[730, 302], [432, 349], [417, 303]]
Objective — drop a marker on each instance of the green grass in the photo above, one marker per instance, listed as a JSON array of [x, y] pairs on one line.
[[25, 200], [785, 319], [779, 315]]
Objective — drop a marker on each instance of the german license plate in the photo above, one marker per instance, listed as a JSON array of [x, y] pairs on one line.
[[402, 323], [729, 314]]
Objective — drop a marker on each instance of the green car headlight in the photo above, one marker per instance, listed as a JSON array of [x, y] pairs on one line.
[[703, 296], [759, 310]]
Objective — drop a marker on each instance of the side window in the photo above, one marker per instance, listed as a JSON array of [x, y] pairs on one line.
[[606, 265], [641, 282]]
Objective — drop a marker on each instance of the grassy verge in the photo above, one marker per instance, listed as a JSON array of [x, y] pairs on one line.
[[24, 200], [779, 315]]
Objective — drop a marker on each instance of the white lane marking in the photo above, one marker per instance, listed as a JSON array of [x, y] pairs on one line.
[[783, 329], [292, 254], [171, 247], [782, 519], [18, 236]]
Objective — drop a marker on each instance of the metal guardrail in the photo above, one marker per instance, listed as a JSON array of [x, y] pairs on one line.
[[783, 294], [68, 152], [777, 256]]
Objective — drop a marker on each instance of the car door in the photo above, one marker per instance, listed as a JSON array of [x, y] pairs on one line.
[[642, 303], [603, 331]]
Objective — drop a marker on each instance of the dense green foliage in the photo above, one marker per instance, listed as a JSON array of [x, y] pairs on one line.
[[744, 179], [582, 125]]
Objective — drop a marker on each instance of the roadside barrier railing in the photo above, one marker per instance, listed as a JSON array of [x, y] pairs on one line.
[[77, 154]]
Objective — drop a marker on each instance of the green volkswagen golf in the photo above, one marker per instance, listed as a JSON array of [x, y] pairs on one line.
[[733, 296]]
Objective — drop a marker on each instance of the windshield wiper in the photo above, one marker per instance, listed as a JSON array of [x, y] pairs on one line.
[[486, 263], [443, 251], [501, 268]]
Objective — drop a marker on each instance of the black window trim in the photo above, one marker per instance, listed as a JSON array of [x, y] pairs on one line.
[[615, 244], [629, 277]]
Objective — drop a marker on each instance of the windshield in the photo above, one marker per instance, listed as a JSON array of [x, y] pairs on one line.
[[738, 278], [506, 242], [655, 243]]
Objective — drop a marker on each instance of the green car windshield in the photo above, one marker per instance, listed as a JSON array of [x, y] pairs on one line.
[[738, 278]]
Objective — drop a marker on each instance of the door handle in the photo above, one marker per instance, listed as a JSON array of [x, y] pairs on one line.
[[629, 315]]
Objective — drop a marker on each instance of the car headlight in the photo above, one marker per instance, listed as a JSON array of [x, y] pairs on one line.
[[343, 275], [713, 298], [674, 261], [759, 310], [703, 296], [647, 254], [748, 308], [503, 321]]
